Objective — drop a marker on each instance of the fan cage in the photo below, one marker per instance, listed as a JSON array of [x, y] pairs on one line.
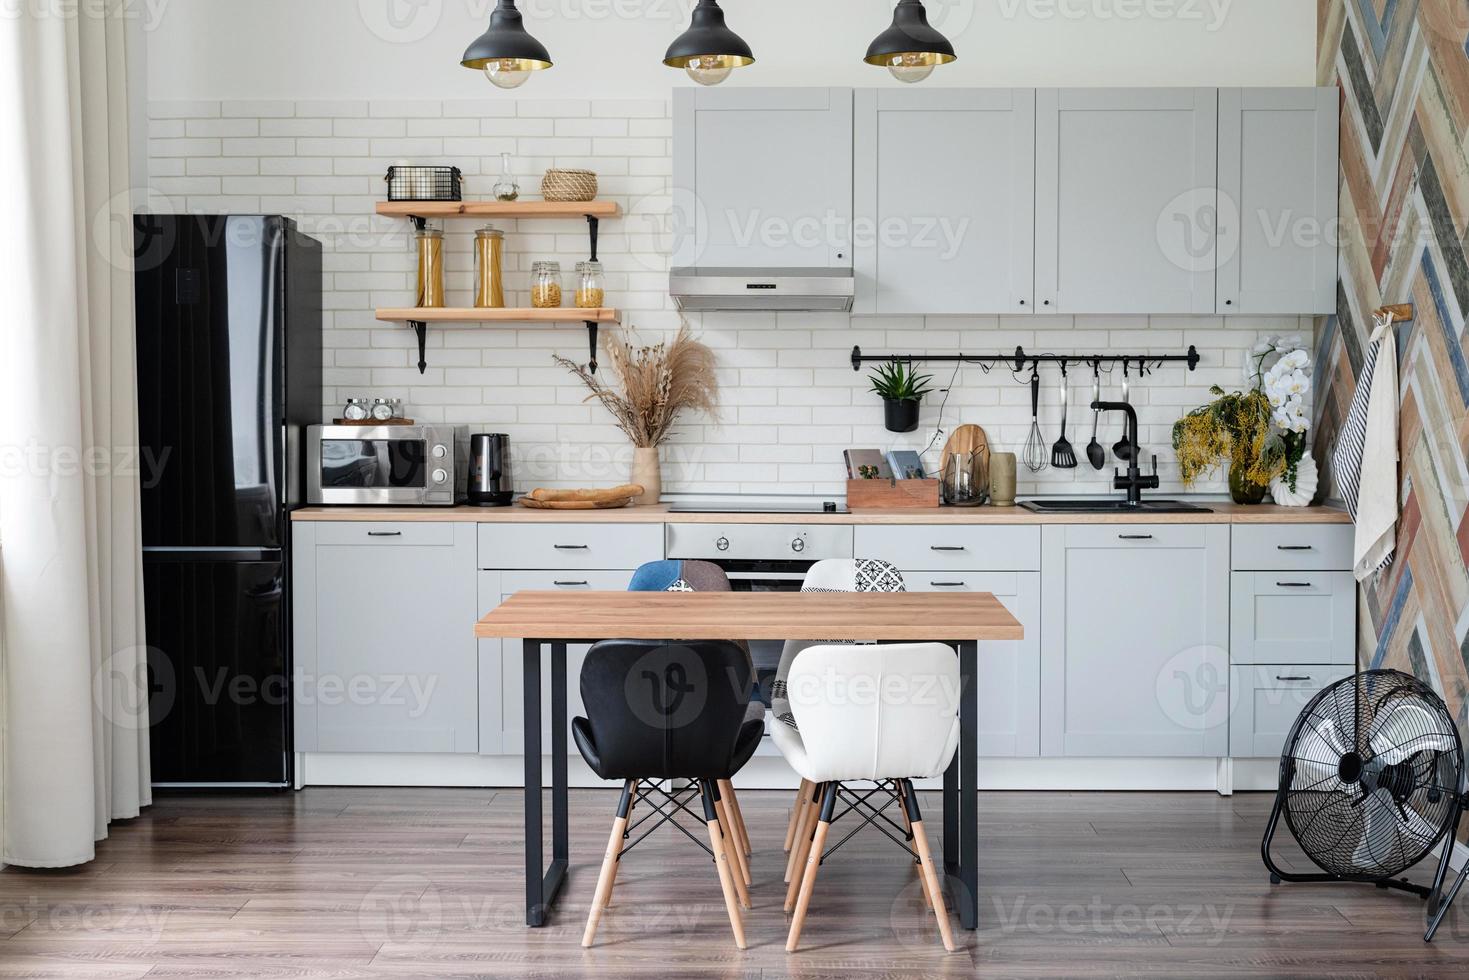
[[1371, 775]]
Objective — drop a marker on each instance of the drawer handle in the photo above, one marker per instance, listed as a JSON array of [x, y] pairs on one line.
[[1292, 585], [384, 534], [1136, 537], [947, 585], [569, 583], [946, 547], [570, 547], [1293, 677], [1293, 547]]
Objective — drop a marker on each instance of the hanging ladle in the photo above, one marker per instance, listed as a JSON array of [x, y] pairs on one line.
[[1095, 454], [1123, 447]]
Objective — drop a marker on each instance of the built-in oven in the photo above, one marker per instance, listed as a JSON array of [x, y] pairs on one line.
[[403, 465], [759, 557]]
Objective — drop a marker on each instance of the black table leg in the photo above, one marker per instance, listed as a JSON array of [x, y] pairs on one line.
[[951, 817], [541, 883], [968, 784], [560, 812]]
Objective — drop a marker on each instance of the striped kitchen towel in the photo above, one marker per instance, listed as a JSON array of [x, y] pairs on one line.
[[1366, 458]]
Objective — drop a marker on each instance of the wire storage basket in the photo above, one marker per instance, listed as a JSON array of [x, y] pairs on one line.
[[569, 185], [419, 183]]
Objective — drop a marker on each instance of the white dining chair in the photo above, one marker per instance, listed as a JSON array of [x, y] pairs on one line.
[[885, 713]]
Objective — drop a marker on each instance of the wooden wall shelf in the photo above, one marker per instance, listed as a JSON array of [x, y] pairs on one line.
[[498, 209], [451, 314]]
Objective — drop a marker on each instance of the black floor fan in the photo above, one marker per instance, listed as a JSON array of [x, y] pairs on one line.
[[1372, 779]]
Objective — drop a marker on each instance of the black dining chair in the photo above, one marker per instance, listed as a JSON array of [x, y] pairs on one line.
[[668, 712]]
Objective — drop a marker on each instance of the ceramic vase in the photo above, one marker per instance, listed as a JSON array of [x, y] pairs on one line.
[[647, 472], [1307, 478]]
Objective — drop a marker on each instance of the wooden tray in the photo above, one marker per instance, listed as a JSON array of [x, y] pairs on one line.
[[373, 422], [535, 504], [892, 494]]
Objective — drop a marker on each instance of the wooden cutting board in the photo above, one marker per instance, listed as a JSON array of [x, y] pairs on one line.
[[535, 504], [965, 440]]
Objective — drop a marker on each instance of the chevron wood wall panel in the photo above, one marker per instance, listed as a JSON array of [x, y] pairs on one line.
[[1402, 67]]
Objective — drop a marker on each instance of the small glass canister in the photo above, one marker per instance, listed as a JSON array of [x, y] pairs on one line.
[[430, 245], [545, 285], [589, 292], [489, 260]]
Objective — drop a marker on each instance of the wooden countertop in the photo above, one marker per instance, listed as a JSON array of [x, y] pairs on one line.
[[752, 615], [1221, 513]]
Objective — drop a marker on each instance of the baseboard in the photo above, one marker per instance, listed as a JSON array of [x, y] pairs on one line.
[[766, 772]]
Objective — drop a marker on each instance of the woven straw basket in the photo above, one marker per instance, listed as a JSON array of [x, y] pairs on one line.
[[569, 185]]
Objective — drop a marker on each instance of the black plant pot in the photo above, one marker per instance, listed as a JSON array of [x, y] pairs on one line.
[[900, 415]]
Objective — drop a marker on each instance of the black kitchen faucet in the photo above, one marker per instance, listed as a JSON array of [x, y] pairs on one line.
[[1134, 482]]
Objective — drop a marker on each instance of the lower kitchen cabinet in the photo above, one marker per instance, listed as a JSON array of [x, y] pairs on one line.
[[1307, 617], [384, 648], [1135, 640], [1009, 673], [1266, 701]]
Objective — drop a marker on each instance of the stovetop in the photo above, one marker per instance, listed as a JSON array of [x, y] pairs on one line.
[[753, 507]]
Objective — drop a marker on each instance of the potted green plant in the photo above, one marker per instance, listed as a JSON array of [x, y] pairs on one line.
[[901, 388]]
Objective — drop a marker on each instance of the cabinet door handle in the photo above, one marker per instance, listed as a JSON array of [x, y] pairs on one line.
[[1293, 677], [384, 534], [570, 547], [1292, 585], [947, 585], [1293, 547], [1136, 537], [946, 547], [569, 583]]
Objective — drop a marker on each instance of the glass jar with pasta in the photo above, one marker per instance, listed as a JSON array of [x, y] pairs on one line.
[[545, 285], [589, 291], [430, 246], [489, 258]]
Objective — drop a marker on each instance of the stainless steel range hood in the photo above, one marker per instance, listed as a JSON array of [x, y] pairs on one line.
[[808, 290]]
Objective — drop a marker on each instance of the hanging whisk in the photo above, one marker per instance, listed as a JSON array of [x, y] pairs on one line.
[[1035, 446]]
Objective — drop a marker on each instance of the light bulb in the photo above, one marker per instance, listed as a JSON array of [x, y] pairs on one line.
[[710, 69], [508, 72], [912, 66]]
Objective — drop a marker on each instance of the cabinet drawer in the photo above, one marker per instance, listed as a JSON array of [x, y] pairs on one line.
[[1159, 536], [384, 534], [997, 583], [573, 581], [934, 546], [1292, 617], [1275, 547], [569, 546], [1267, 700]]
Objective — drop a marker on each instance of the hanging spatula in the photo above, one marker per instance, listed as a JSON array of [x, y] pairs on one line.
[[1063, 457]]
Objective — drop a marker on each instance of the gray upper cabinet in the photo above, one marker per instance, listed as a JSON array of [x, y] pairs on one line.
[[1277, 200], [1134, 640], [944, 185], [1125, 195], [384, 648], [762, 178]]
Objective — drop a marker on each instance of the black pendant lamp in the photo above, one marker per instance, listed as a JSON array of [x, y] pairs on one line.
[[708, 50], [507, 54], [910, 48]]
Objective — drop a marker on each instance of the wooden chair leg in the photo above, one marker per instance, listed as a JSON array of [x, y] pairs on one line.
[[728, 791], [721, 862], [631, 806], [813, 862], [797, 808], [930, 873], [803, 844], [732, 846], [917, 866], [609, 864], [806, 811]]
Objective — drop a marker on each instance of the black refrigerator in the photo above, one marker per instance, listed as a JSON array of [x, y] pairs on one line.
[[229, 374]]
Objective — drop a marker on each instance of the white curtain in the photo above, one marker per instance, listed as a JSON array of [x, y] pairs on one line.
[[75, 712]]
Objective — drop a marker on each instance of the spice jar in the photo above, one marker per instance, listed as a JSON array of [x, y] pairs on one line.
[[489, 258], [430, 243], [589, 292], [545, 285]]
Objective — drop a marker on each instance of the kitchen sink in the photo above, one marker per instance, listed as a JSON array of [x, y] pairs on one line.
[[1112, 506]]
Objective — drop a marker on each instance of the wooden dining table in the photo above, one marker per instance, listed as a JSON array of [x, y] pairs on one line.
[[551, 620]]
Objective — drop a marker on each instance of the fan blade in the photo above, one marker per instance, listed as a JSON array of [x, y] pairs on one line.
[[1380, 842], [1408, 729]]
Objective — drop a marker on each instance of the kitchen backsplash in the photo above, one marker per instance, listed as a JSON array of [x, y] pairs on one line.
[[791, 402]]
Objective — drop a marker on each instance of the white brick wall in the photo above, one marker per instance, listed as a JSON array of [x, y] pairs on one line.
[[791, 402]]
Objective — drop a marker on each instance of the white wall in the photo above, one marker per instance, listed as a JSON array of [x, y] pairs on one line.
[[365, 49]]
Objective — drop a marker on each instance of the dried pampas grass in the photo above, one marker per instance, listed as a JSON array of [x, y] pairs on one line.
[[658, 384]]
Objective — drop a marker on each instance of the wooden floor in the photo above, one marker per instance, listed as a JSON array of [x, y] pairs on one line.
[[398, 883]]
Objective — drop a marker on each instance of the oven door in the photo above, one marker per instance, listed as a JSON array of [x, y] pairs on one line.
[[376, 465], [765, 576]]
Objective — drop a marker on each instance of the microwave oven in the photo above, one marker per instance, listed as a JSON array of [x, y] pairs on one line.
[[406, 465]]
